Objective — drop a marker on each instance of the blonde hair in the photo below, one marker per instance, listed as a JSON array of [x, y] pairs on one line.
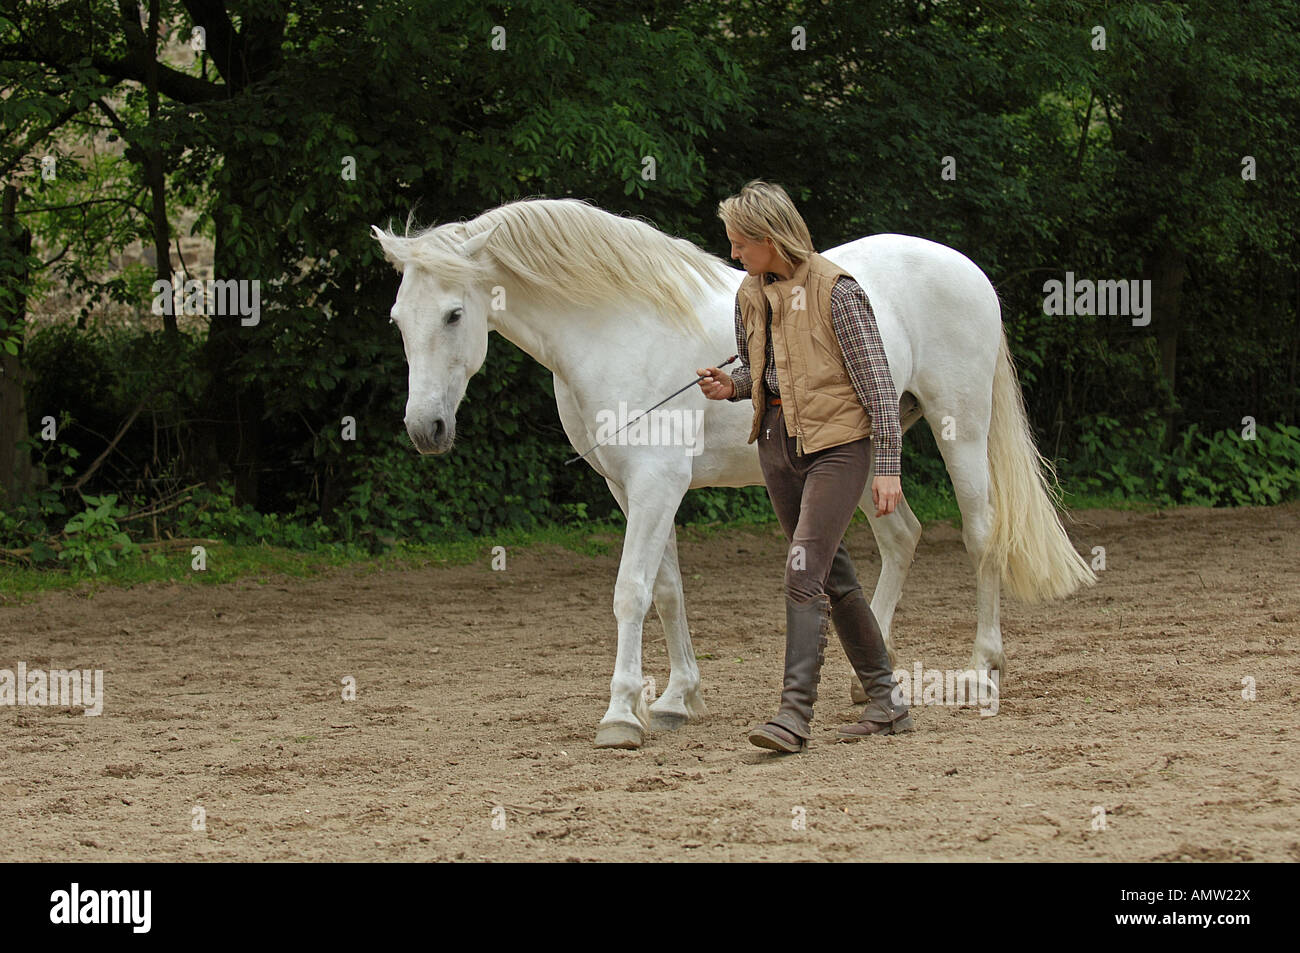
[[763, 210]]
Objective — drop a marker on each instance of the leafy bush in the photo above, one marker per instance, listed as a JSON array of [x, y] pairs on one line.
[[31, 522], [214, 514], [1220, 469], [93, 534]]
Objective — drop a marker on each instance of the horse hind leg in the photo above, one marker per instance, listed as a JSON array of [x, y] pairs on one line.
[[968, 466]]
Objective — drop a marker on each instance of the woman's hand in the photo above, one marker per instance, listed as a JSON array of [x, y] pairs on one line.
[[886, 491], [716, 384]]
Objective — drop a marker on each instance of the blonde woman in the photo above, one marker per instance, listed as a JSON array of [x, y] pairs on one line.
[[812, 363]]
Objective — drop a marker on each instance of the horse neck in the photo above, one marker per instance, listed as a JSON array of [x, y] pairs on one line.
[[541, 332], [568, 340]]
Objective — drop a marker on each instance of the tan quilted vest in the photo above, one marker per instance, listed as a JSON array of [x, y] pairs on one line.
[[821, 407]]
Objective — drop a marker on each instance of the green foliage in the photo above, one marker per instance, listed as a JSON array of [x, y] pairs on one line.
[[714, 504], [93, 536], [33, 521], [1219, 469], [214, 514]]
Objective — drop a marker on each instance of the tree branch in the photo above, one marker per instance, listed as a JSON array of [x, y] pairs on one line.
[[220, 38], [1083, 135], [63, 208], [172, 83], [35, 138], [56, 257], [115, 441]]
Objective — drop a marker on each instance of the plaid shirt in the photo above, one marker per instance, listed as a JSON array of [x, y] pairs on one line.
[[864, 360]]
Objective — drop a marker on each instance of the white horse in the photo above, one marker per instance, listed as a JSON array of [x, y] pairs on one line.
[[620, 312]]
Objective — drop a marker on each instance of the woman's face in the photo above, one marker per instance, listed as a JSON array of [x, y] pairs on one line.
[[757, 257]]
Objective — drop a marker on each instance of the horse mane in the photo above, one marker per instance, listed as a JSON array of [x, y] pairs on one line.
[[568, 250]]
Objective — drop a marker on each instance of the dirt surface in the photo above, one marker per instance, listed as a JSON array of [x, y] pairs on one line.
[[478, 695]]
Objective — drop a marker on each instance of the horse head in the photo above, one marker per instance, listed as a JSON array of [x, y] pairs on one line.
[[441, 312]]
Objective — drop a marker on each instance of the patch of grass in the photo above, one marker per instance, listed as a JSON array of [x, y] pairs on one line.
[[225, 563], [267, 564], [262, 562]]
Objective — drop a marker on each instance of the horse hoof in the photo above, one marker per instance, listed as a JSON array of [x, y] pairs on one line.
[[857, 692], [618, 736], [996, 664], [667, 721]]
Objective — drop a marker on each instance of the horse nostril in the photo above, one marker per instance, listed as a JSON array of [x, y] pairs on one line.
[[438, 428]]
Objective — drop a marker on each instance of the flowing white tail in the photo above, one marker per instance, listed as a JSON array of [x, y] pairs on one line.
[[1036, 559]]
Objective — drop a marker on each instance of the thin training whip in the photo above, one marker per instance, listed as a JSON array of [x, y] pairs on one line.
[[693, 383]]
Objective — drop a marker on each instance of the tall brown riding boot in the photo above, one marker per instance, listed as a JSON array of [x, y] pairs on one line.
[[806, 628], [864, 645]]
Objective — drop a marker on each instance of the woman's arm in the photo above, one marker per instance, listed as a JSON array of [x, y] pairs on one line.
[[868, 368]]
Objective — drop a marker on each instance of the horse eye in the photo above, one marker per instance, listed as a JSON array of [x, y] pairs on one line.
[[454, 315]]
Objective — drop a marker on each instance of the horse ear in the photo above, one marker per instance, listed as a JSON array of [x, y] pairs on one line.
[[379, 236], [472, 246]]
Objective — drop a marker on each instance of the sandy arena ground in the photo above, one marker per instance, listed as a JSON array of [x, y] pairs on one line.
[[478, 695]]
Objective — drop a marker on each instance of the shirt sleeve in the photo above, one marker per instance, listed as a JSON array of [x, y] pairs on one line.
[[868, 368], [740, 376]]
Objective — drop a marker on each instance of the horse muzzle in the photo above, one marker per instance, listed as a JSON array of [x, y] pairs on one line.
[[431, 433]]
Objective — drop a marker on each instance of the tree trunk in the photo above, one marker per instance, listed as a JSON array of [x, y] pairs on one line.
[[1168, 271], [15, 461], [231, 441], [231, 435], [156, 177], [1292, 417]]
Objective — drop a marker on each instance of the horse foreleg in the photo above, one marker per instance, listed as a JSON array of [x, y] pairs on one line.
[[896, 536], [649, 523], [681, 699]]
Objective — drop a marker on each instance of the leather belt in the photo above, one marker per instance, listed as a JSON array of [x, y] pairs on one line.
[[774, 401]]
